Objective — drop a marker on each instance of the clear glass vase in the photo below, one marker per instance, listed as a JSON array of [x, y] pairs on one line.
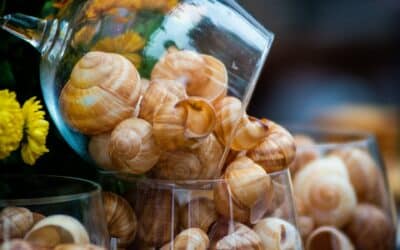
[[341, 191], [51, 212]]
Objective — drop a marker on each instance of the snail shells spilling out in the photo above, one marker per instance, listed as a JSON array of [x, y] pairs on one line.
[[363, 173], [199, 163], [189, 239], [241, 237], [132, 147], [328, 238], [305, 152], [236, 129], [324, 188], [198, 213], [245, 185], [98, 150], [203, 75], [277, 234], [15, 222], [78, 247], [121, 219], [158, 93], [158, 218], [102, 91], [183, 124], [57, 229], [277, 149], [370, 228]]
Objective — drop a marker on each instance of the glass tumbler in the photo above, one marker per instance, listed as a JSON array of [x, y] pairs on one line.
[[51, 212], [341, 192]]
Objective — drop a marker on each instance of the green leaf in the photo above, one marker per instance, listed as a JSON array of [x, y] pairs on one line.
[[147, 22]]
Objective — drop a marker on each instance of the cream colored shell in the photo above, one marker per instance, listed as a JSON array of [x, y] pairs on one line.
[[278, 234], [102, 91], [189, 239], [242, 237], [15, 222], [328, 238], [132, 147]]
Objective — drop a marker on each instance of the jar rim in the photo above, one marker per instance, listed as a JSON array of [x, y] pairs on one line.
[[64, 189]]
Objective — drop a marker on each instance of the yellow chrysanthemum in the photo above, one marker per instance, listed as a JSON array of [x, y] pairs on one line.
[[127, 44], [11, 123], [36, 130], [163, 5]]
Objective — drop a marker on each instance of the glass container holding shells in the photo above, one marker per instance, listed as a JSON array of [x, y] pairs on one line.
[[341, 192], [50, 212], [135, 84], [255, 211]]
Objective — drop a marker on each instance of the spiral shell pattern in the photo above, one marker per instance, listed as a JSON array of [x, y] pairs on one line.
[[103, 90]]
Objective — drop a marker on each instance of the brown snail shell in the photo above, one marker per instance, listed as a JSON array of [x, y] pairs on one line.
[[305, 152], [239, 237], [203, 75], [57, 229], [363, 173], [78, 247], [236, 129], [102, 91], [277, 234], [191, 164], [183, 124], [328, 238], [277, 149], [189, 239], [121, 219], [158, 218], [98, 150], [245, 185], [132, 147], [158, 93], [198, 213], [324, 188], [16, 244], [15, 222], [371, 229]]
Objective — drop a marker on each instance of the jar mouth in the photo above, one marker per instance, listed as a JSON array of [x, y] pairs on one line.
[[20, 190], [332, 138]]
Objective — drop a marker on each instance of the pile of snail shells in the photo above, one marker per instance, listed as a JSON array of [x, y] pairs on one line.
[[177, 125], [22, 229], [340, 199]]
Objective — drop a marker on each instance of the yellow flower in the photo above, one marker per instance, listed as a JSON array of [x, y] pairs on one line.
[[36, 130], [11, 123], [127, 44], [163, 5]]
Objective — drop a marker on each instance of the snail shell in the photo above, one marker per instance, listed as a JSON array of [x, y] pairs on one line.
[[57, 229], [241, 237], [277, 149], [325, 190], [78, 247], [158, 93], [236, 129], [203, 75], [189, 239], [183, 124], [199, 163], [245, 185], [102, 91], [132, 147], [305, 152], [98, 150], [305, 225], [363, 172], [278, 234], [121, 219], [371, 229], [16, 244], [15, 222], [198, 213], [328, 238], [158, 218]]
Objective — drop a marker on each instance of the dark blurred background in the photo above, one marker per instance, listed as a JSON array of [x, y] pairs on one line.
[[326, 54]]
